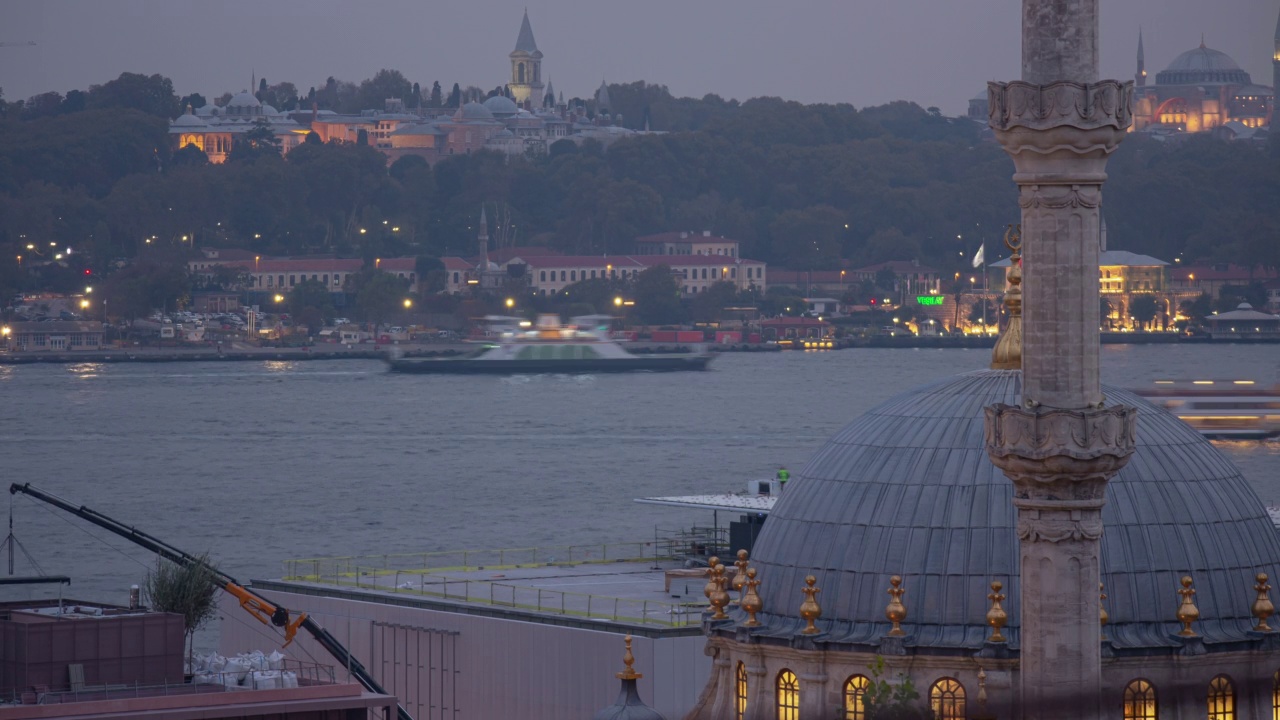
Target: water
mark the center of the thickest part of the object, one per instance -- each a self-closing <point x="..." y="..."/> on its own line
<point x="260" y="462"/>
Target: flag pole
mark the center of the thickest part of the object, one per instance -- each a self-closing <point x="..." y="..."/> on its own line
<point x="984" y="288"/>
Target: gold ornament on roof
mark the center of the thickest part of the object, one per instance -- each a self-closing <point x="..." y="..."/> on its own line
<point x="1103" y="617"/>
<point x="809" y="609"/>
<point x="982" y="691"/>
<point x="720" y="596"/>
<point x="1187" y="611"/>
<point x="628" y="659"/>
<point x="740" y="578"/>
<point x="1007" y="354"/>
<point x="996" y="616"/>
<point x="896" y="611"/>
<point x="710" y="587"/>
<point x="751" y="601"/>
<point x="1262" y="607"/>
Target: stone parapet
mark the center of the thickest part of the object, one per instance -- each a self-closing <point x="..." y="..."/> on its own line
<point x="1057" y="457"/>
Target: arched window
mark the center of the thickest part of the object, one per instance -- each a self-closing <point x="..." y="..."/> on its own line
<point x="855" y="689"/>
<point x="520" y="73"/>
<point x="1275" y="695"/>
<point x="788" y="696"/>
<point x="740" y="692"/>
<point x="946" y="699"/>
<point x="1140" y="701"/>
<point x="543" y="276"/>
<point x="1222" y="699"/>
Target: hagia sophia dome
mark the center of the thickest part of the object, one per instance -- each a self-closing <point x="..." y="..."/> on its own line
<point x="1203" y="66"/>
<point x="908" y="490"/>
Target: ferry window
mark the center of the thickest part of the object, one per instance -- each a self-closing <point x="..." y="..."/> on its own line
<point x="1140" y="701"/>
<point x="946" y="699"/>
<point x="788" y="696"/>
<point x="855" y="690"/>
<point x="740" y="692"/>
<point x="1222" y="699"/>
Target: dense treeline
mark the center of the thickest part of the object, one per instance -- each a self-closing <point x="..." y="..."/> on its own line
<point x="800" y="186"/>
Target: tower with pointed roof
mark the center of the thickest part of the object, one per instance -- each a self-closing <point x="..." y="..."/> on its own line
<point x="526" y="68"/>
<point x="604" y="106"/>
<point x="1141" y="77"/>
<point x="1275" y="73"/>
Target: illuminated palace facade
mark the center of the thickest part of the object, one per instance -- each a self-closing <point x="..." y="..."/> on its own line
<point x="1203" y="89"/>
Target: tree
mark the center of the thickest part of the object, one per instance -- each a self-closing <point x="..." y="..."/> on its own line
<point x="151" y="94"/>
<point x="1144" y="309"/>
<point x="892" y="701"/>
<point x="432" y="276"/>
<point x="384" y="85"/>
<point x="146" y="285"/>
<point x="193" y="101"/>
<point x="311" y="304"/>
<point x="282" y="96"/>
<point x="437" y="99"/>
<point x="260" y="141"/>
<point x="709" y="306"/>
<point x="187" y="590"/>
<point x="1104" y="312"/>
<point x="378" y="294"/>
<point x="657" y="296"/>
<point x="188" y="155"/>
<point x="455" y="97"/>
<point x="808" y="239"/>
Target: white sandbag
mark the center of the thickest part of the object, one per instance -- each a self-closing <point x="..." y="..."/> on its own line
<point x="275" y="661"/>
<point x="237" y="668"/>
<point x="266" y="680"/>
<point x="204" y="679"/>
<point x="215" y="663"/>
<point x="289" y="679"/>
<point x="256" y="659"/>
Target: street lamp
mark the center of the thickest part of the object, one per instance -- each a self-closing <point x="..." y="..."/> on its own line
<point x="617" y="302"/>
<point x="84" y="304"/>
<point x="408" y="303"/>
<point x="511" y="302"/>
<point x="279" y="298"/>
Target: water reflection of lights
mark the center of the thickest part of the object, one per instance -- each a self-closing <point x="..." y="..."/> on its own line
<point x="277" y="366"/>
<point x="85" y="371"/>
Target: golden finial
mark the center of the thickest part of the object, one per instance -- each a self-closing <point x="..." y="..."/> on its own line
<point x="710" y="587"/>
<point x="1103" y="617"/>
<point x="628" y="659"/>
<point x="719" y="596"/>
<point x="740" y="578"/>
<point x="896" y="611"/>
<point x="982" y="691"/>
<point x="1007" y="354"/>
<point x="809" y="609"/>
<point x="751" y="601"/>
<point x="1187" y="611"/>
<point x="1262" y="607"/>
<point x="996" y="616"/>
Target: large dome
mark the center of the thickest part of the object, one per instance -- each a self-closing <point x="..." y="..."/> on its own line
<point x="501" y="106"/>
<point x="473" y="111"/>
<point x="1203" y="66"/>
<point x="907" y="489"/>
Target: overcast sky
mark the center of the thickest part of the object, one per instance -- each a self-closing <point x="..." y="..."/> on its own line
<point x="865" y="52"/>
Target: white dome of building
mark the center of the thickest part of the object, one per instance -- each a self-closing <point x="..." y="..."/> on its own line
<point x="501" y="106"/>
<point x="473" y="111"/>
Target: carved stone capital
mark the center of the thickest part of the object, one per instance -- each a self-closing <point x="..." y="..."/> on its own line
<point x="1077" y="528"/>
<point x="1055" y="456"/>
<point x="1108" y="103"/>
<point x="1062" y="118"/>
<point x="1057" y="197"/>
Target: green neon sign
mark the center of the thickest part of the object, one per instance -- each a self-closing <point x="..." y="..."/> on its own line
<point x="929" y="299"/>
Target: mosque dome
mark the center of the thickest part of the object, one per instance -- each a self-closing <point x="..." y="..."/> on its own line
<point x="188" y="121"/>
<point x="243" y="99"/>
<point x="501" y="106"/>
<point x="1203" y="66"/>
<point x="474" y="111"/>
<point x="269" y="110"/>
<point x="907" y="489"/>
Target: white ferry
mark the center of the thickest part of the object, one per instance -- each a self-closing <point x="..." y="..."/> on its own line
<point x="1225" y="409"/>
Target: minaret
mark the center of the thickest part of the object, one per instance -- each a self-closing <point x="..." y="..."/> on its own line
<point x="1141" y="77"/>
<point x="526" y="67"/>
<point x="1063" y="442"/>
<point x="482" y="241"/>
<point x="1275" y="75"/>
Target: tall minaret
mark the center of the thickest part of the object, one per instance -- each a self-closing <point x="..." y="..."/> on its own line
<point x="1275" y="75"/>
<point x="1064" y="441"/>
<point x="1141" y="77"/>
<point x="482" y="241"/>
<point x="526" y="68"/>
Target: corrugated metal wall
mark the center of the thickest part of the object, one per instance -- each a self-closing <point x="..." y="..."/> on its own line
<point x="504" y="668"/>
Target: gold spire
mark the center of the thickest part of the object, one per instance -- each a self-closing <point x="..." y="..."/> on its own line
<point x="996" y="616"/>
<point x="719" y="596"/>
<point x="809" y="609"/>
<point x="1103" y="617"/>
<point x="710" y="587"/>
<point x="1187" y="611"/>
<point x="740" y="578"/>
<point x="982" y="690"/>
<point x="751" y="601"/>
<point x="628" y="659"/>
<point x="1007" y="354"/>
<point x="896" y="611"/>
<point x="1262" y="607"/>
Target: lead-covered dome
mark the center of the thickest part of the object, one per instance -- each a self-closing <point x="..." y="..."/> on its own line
<point x="1203" y="66"/>
<point x="501" y="106"/>
<point x="473" y="111"/>
<point x="907" y="489"/>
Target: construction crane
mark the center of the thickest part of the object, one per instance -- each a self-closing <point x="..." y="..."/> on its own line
<point x="261" y="608"/>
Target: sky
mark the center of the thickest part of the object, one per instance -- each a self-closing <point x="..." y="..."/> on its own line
<point x="864" y="52"/>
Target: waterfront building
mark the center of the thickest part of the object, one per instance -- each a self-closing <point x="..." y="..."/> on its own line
<point x="54" y="335"/>
<point x="1124" y="276"/>
<point x="1190" y="281"/>
<point x="910" y="280"/>
<point x="1243" y="323"/>
<point x="551" y="274"/>
<point x="215" y="130"/>
<point x="686" y="243"/>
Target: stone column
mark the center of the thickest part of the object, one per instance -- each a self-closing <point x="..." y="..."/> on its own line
<point x="1060" y="123"/>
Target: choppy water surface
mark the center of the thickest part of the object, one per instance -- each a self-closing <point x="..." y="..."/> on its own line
<point x="260" y="462"/>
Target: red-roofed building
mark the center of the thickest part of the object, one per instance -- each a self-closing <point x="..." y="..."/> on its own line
<point x="551" y="274"/>
<point x="1192" y="280"/>
<point x="910" y="279"/>
<point x="794" y="327"/>
<point x="686" y="243"/>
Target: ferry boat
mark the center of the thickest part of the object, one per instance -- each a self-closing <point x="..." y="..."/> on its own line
<point x="519" y="347"/>
<point x="1221" y="409"/>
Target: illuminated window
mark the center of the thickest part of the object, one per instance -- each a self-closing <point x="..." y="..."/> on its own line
<point x="788" y="697"/>
<point x="855" y="688"/>
<point x="1222" y="699"/>
<point x="946" y="699"/>
<point x="740" y="692"/>
<point x="1139" y="701"/>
